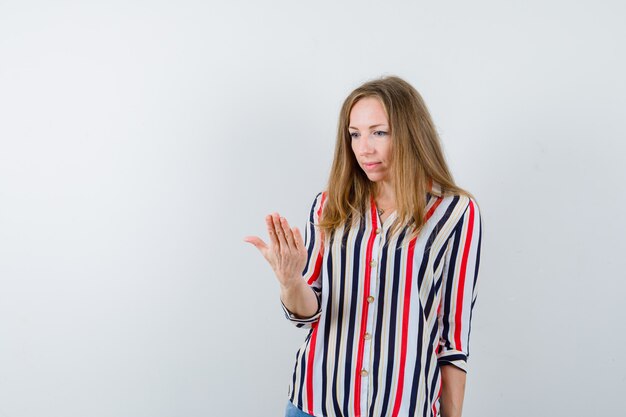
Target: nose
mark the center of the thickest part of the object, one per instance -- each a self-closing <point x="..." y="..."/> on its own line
<point x="364" y="146"/>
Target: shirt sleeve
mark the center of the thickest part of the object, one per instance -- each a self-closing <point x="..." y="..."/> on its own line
<point x="314" y="244"/>
<point x="460" y="275"/>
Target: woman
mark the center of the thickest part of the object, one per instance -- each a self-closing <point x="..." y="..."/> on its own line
<point x="385" y="278"/>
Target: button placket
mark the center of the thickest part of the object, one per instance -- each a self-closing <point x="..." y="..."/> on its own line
<point x="367" y="337"/>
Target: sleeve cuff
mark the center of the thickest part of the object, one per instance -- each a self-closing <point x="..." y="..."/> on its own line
<point x="303" y="322"/>
<point x="453" y="357"/>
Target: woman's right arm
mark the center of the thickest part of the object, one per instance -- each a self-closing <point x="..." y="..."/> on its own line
<point x="296" y="263"/>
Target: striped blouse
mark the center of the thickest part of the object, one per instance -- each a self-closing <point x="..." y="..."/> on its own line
<point x="390" y="312"/>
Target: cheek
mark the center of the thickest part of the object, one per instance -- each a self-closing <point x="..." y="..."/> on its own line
<point x="388" y="152"/>
<point x="352" y="146"/>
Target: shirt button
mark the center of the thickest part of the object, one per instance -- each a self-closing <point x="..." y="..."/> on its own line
<point x="378" y="230"/>
<point x="367" y="336"/>
<point x="363" y="372"/>
<point x="370" y="299"/>
<point x="373" y="263"/>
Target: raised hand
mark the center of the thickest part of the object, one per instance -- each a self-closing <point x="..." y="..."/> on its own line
<point x="286" y="253"/>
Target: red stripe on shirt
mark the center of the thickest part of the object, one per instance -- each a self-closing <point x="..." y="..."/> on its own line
<point x="311" y="355"/>
<point x="430" y="212"/>
<point x="318" y="260"/>
<point x="405" y="325"/>
<point x="316" y="271"/>
<point x="406" y="311"/>
<point x="319" y="210"/>
<point x="459" y="304"/>
<point x="366" y="293"/>
<point x="309" y="369"/>
<point x="437" y="398"/>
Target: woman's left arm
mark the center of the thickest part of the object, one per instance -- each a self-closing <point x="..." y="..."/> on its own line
<point x="457" y="301"/>
<point x="452" y="391"/>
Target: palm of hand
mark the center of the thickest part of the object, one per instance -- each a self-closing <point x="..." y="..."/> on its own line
<point x="286" y="253"/>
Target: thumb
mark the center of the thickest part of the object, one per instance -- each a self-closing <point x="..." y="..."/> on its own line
<point x="257" y="242"/>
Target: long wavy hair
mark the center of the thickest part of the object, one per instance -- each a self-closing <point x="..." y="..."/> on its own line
<point x="417" y="158"/>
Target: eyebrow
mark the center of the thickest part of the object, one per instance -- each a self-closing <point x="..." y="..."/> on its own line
<point x="371" y="127"/>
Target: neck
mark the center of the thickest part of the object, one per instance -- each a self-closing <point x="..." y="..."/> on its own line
<point x="384" y="191"/>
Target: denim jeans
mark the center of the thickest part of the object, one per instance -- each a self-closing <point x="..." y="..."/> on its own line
<point x="293" y="411"/>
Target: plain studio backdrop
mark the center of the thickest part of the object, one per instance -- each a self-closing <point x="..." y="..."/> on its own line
<point x="142" y="140"/>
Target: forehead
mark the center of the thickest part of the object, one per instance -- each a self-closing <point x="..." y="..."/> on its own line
<point x="368" y="111"/>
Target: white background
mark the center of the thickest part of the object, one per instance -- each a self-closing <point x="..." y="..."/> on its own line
<point x="140" y="141"/>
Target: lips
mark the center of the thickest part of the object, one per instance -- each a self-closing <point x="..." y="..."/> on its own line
<point x="370" y="165"/>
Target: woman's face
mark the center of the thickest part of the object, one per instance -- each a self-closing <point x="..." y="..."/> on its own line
<point x="371" y="141"/>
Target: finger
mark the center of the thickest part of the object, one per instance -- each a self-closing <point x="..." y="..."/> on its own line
<point x="288" y="233"/>
<point x="258" y="243"/>
<point x="297" y="237"/>
<point x="280" y="234"/>
<point x="271" y="230"/>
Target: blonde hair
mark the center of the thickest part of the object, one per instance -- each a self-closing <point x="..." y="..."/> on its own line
<point x="417" y="159"/>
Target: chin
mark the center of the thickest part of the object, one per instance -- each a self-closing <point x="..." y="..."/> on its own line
<point x="375" y="178"/>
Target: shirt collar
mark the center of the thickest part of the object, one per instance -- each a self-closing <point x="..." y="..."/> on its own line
<point x="435" y="188"/>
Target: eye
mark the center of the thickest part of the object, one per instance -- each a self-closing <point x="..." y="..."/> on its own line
<point x="354" y="135"/>
<point x="380" y="133"/>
